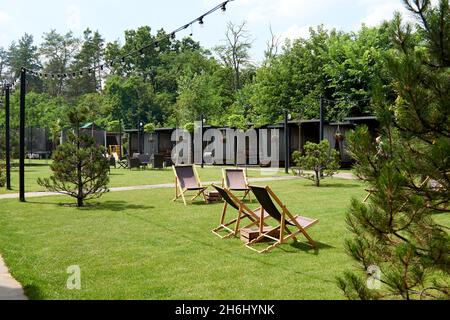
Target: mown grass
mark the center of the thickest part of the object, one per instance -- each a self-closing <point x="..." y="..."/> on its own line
<point x="140" y="245"/>
<point x="119" y="177"/>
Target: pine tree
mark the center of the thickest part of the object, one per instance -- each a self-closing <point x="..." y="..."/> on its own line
<point x="79" y="166"/>
<point x="25" y="54"/>
<point x="319" y="158"/>
<point x="400" y="237"/>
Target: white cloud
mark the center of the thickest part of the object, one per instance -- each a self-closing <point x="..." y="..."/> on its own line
<point x="378" y="11"/>
<point x="4" y="18"/>
<point x="73" y="18"/>
<point x="295" y="32"/>
<point x="267" y="10"/>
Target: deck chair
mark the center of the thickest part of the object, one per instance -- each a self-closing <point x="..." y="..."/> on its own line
<point x="230" y="200"/>
<point x="236" y="180"/>
<point x="286" y="220"/>
<point x="186" y="179"/>
<point x="426" y="182"/>
<point x="122" y="164"/>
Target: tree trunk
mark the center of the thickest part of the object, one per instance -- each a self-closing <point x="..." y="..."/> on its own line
<point x="80" y="201"/>
<point x="317" y="178"/>
<point x="79" y="168"/>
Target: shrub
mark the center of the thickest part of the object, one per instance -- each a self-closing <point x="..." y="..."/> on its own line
<point x="318" y="158"/>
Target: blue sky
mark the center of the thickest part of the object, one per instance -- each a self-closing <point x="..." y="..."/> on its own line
<point x="288" y="18"/>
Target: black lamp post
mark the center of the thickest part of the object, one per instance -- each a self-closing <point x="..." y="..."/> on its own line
<point x="322" y="119"/>
<point x="23" y="86"/>
<point x="140" y="126"/>
<point x="202" y="121"/>
<point x="7" y="136"/>
<point x="120" y="139"/>
<point x="287" y="117"/>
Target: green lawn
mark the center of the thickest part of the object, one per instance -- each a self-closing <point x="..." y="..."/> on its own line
<point x="140" y="245"/>
<point x="119" y="177"/>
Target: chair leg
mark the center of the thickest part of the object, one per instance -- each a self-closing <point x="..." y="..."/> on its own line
<point x="184" y="199"/>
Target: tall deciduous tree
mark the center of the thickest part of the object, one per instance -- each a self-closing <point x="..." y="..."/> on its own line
<point x="235" y="51"/>
<point x="399" y="233"/>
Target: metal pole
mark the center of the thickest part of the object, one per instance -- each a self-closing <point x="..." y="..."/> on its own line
<point x="139" y="137"/>
<point x="7" y="137"/>
<point x="322" y="119"/>
<point x="23" y="78"/>
<point x="120" y="139"/>
<point x="201" y="142"/>
<point x="286" y="143"/>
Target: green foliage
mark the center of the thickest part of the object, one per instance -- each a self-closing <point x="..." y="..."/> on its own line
<point x="114" y="126"/>
<point x="318" y="158"/>
<point x="58" y="51"/>
<point x="149" y="128"/>
<point x="132" y="100"/>
<point x="344" y="67"/>
<point x="407" y="169"/>
<point x="237" y="121"/>
<point x="2" y="174"/>
<point x="198" y="95"/>
<point x="189" y="127"/>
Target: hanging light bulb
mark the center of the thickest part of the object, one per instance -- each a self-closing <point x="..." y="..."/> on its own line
<point x="141" y="52"/>
<point x="173" y="36"/>
<point x="157" y="48"/>
<point x="224" y="8"/>
<point x="201" y="22"/>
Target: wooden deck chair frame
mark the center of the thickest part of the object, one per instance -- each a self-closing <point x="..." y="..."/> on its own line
<point x="243" y="212"/>
<point x="287" y="218"/>
<point x="247" y="193"/>
<point x="370" y="192"/>
<point x="181" y="193"/>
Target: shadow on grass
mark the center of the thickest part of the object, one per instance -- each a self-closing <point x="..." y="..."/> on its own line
<point x="33" y="292"/>
<point x="36" y="164"/>
<point x="113" y="206"/>
<point x="304" y="246"/>
<point x="338" y="185"/>
<point x="295" y="247"/>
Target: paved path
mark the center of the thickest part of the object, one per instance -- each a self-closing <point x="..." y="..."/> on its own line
<point x="147" y="187"/>
<point x="342" y="175"/>
<point x="10" y="289"/>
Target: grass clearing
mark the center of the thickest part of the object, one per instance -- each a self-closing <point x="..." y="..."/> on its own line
<point x="140" y="245"/>
<point x="119" y="177"/>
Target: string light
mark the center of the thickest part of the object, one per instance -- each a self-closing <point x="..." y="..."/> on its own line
<point x="140" y="51"/>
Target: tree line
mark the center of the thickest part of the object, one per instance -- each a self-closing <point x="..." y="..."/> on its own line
<point x="176" y="82"/>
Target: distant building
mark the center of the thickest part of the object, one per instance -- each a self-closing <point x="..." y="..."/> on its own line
<point x="300" y="132"/>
